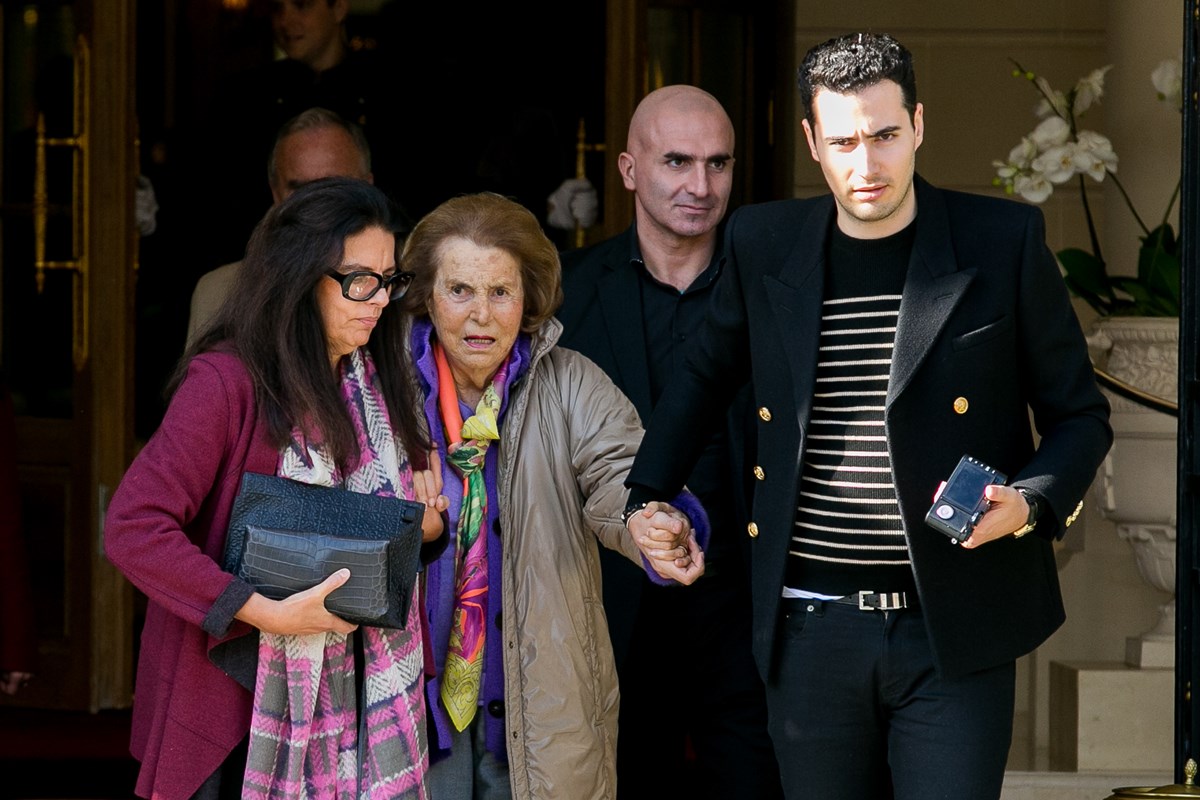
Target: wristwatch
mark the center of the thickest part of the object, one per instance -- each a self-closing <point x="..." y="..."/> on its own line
<point x="1035" y="508"/>
<point x="632" y="509"/>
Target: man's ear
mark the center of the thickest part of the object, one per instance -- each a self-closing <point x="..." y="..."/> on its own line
<point x="919" y="125"/>
<point x="625" y="166"/>
<point x="812" y="142"/>
<point x="340" y="9"/>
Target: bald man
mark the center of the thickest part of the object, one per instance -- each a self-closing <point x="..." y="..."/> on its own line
<point x="693" y="714"/>
<point x="317" y="143"/>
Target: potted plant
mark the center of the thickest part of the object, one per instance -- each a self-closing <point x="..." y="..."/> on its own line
<point x="1059" y="151"/>
<point x="1136" y="337"/>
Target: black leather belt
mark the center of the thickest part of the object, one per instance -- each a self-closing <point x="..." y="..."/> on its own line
<point x="867" y="601"/>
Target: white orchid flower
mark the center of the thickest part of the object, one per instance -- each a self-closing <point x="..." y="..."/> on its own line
<point x="1053" y="102"/>
<point x="1087" y="163"/>
<point x="1023" y="154"/>
<point x="1050" y="132"/>
<point x="1094" y="155"/>
<point x="1033" y="187"/>
<point x="1168" y="81"/>
<point x="1057" y="164"/>
<point x="1090" y="89"/>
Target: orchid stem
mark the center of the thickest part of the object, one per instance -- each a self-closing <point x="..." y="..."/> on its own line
<point x="1128" y="201"/>
<point x="1087" y="213"/>
<point x="1171" y="202"/>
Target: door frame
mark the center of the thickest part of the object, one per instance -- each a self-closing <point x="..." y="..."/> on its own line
<point x="107" y="378"/>
<point x="85" y="656"/>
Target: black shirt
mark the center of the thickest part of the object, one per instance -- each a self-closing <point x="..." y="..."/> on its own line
<point x="671" y="320"/>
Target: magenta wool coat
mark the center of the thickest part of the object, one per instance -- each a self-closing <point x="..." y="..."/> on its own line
<point x="165" y="530"/>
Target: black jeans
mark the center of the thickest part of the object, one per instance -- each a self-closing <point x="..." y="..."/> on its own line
<point x="858" y="712"/>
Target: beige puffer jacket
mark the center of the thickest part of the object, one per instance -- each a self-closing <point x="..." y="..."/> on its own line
<point x="567" y="443"/>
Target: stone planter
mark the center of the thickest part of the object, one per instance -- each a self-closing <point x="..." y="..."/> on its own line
<point x="1136" y="485"/>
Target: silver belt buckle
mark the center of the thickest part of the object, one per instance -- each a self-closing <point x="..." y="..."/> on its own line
<point x="892" y="601"/>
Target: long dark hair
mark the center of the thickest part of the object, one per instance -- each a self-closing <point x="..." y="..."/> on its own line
<point x="272" y="322"/>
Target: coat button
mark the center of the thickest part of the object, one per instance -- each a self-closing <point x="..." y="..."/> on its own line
<point x="752" y="529"/>
<point x="758" y="473"/>
<point x="764" y="414"/>
<point x="496" y="708"/>
<point x="961" y="405"/>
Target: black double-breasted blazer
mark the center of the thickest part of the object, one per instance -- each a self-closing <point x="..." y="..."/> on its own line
<point x="986" y="343"/>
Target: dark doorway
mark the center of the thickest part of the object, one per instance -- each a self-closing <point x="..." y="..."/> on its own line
<point x="459" y="97"/>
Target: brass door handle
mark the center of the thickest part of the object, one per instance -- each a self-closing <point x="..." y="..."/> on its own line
<point x="581" y="149"/>
<point x="80" y="216"/>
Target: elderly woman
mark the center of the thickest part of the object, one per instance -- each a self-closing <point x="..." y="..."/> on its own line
<point x="284" y="383"/>
<point x="537" y="443"/>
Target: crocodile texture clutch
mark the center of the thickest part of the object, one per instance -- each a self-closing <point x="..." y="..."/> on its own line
<point x="286" y="536"/>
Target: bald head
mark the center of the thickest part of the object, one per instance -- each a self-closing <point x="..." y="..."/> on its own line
<point x="679" y="163"/>
<point x="677" y="100"/>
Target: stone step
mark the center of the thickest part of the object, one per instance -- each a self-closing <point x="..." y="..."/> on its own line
<point x="1075" y="785"/>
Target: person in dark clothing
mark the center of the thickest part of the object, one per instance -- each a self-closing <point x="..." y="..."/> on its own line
<point x="632" y="304"/>
<point x="889" y="328"/>
<point x="319" y="70"/>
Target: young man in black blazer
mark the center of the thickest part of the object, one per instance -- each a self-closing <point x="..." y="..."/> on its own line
<point x="632" y="304"/>
<point x="889" y="329"/>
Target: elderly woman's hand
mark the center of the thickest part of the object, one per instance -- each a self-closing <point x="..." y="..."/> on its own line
<point x="688" y="569"/>
<point x="427" y="489"/>
<point x="684" y="568"/>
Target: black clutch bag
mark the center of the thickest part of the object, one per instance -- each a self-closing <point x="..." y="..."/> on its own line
<point x="286" y="536"/>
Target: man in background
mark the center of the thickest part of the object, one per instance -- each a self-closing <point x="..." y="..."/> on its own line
<point x="632" y="304"/>
<point x="318" y="143"/>
<point x="318" y="69"/>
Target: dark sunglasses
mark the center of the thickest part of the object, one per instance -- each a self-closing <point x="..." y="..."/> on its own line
<point x="362" y="286"/>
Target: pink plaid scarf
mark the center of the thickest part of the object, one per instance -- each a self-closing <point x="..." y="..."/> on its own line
<point x="308" y="721"/>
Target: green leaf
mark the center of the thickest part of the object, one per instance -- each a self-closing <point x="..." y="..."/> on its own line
<point x="1159" y="271"/>
<point x="1087" y="279"/>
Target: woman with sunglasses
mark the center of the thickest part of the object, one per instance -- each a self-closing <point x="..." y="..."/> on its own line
<point x="238" y="695"/>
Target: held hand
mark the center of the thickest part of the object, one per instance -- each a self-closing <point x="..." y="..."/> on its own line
<point x="665" y="536"/>
<point x="660" y="531"/>
<point x="302" y="613"/>
<point x="427" y="489"/>
<point x="1008" y="513"/>
<point x="686" y="568"/>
